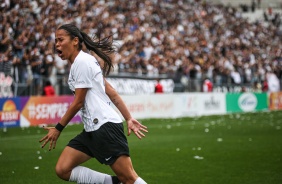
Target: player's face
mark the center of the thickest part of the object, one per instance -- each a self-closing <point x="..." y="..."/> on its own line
<point x="65" y="46"/>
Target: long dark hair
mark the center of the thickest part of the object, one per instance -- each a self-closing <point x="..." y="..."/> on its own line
<point x="103" y="47"/>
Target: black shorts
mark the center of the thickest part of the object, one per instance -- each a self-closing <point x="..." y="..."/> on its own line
<point x="105" y="144"/>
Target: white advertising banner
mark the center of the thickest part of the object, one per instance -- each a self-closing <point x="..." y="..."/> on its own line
<point x="151" y="106"/>
<point x="139" y="86"/>
<point x="5" y="86"/>
<point x="212" y="103"/>
<point x="187" y="104"/>
<point x="175" y="105"/>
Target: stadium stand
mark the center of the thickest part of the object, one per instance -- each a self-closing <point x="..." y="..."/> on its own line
<point x="183" y="40"/>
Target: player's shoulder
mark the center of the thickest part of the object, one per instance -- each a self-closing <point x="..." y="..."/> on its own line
<point x="85" y="55"/>
<point x="85" y="58"/>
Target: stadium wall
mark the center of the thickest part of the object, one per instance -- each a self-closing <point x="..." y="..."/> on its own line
<point x="39" y="111"/>
<point x="237" y="3"/>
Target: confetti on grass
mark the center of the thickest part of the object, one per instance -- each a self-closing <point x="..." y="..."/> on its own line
<point x="198" y="157"/>
<point x="219" y="139"/>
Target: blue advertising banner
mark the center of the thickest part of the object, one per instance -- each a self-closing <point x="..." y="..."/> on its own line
<point x="9" y="112"/>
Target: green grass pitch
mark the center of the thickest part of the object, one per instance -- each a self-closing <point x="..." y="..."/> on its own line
<point x="232" y="148"/>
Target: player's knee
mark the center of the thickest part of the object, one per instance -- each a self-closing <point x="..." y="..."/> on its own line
<point x="127" y="179"/>
<point x="62" y="172"/>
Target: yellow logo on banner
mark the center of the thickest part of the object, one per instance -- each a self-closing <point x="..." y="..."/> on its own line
<point x="9" y="111"/>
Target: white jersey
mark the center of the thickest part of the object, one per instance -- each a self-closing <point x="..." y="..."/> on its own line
<point x="85" y="72"/>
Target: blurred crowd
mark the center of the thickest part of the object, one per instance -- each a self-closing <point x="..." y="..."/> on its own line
<point x="187" y="40"/>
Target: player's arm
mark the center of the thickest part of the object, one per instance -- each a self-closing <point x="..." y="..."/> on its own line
<point x="53" y="133"/>
<point x="132" y="124"/>
<point x="117" y="100"/>
<point x="75" y="106"/>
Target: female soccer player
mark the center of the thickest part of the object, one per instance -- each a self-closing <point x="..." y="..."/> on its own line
<point x="103" y="135"/>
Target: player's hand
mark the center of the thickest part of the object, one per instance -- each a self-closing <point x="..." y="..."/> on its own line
<point x="136" y="127"/>
<point x="52" y="137"/>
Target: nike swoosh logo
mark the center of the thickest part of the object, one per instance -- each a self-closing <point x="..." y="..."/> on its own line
<point x="107" y="159"/>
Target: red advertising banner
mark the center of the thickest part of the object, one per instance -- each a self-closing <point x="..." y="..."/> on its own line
<point x="275" y="101"/>
<point x="45" y="110"/>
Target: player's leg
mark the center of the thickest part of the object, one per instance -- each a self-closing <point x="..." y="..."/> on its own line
<point x="124" y="170"/>
<point x="68" y="168"/>
<point x="69" y="159"/>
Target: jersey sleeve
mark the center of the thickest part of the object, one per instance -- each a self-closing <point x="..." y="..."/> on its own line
<point x="84" y="76"/>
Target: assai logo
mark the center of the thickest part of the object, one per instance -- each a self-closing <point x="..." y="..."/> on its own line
<point x="247" y="102"/>
<point x="9" y="111"/>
